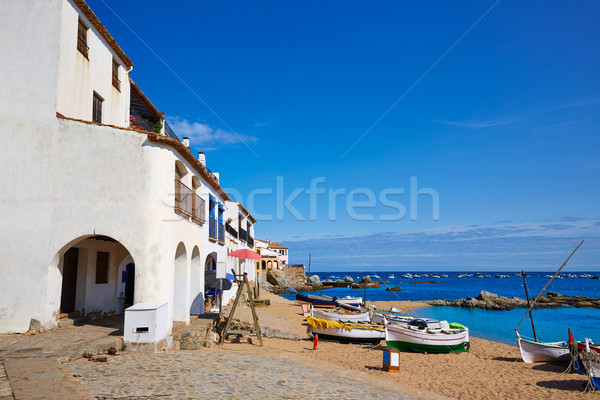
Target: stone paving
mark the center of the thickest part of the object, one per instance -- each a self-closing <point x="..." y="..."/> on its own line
<point x="219" y="374"/>
<point x="5" y="390"/>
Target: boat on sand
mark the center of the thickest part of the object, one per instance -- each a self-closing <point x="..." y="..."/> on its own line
<point x="452" y="338"/>
<point x="346" y="332"/>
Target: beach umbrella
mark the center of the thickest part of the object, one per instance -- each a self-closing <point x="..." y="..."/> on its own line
<point x="245" y="253"/>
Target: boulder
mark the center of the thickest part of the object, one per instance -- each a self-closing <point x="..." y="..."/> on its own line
<point x="367" y="279"/>
<point x="348" y="279"/>
<point x="314" y="279"/>
<point x="393" y="289"/>
<point x="277" y="277"/>
<point x="487" y="296"/>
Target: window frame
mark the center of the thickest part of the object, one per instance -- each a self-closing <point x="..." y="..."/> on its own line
<point x="116" y="82"/>
<point x="94" y="109"/>
<point x="82" y="33"/>
<point x="102" y="271"/>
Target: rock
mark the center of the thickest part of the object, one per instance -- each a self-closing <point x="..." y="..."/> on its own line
<point x="362" y="285"/>
<point x="277" y="277"/>
<point x="386" y="282"/>
<point x="393" y="289"/>
<point x="348" y="279"/>
<point x="423" y="283"/>
<point x="367" y="279"/>
<point x="35" y="325"/>
<point x="314" y="279"/>
<point x="487" y="296"/>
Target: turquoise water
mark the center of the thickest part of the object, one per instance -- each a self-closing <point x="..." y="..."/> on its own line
<point x="551" y="324"/>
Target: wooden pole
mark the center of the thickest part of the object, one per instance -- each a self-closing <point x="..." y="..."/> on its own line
<point x="254" y="316"/>
<point x="547" y="284"/>
<point x="529" y="305"/>
<point x="308" y="275"/>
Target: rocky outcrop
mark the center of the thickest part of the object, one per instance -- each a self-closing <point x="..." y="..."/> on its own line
<point x="362" y="285"/>
<point x="491" y="301"/>
<point x="393" y="289"/>
<point x="279" y="281"/>
<point x="424" y="283"/>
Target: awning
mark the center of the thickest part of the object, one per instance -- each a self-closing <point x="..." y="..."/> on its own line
<point x="245" y="253"/>
<point x="269" y="253"/>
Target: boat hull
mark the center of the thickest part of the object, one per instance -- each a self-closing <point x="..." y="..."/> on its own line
<point x="423" y="341"/>
<point x="533" y="352"/>
<point x="354" y="335"/>
<point x="333" y="316"/>
<point x="315" y="301"/>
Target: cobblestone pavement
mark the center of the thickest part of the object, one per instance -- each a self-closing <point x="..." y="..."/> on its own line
<point x="5" y="390"/>
<point x="219" y="374"/>
<point x="63" y="342"/>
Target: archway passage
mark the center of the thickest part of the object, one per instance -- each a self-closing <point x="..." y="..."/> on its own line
<point x="181" y="285"/>
<point x="95" y="280"/>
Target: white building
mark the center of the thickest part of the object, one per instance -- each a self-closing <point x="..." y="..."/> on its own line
<point x="95" y="215"/>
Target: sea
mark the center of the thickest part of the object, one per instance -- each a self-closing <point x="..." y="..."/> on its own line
<point x="499" y="326"/>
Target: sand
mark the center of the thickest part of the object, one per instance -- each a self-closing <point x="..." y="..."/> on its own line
<point x="489" y="370"/>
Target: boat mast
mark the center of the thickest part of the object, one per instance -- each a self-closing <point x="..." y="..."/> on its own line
<point x="529" y="305"/>
<point x="547" y="284"/>
<point x="308" y="275"/>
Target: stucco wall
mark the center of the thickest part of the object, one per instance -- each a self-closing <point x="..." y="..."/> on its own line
<point x="79" y="77"/>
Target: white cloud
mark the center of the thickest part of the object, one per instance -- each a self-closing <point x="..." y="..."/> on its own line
<point x="206" y="135"/>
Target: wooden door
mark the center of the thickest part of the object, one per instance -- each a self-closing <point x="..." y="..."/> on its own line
<point x="69" y="281"/>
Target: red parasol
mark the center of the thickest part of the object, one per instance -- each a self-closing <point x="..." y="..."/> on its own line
<point x="245" y="253"/>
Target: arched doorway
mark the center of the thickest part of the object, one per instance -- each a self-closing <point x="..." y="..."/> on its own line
<point x="180" y="285"/>
<point x="196" y="284"/>
<point x="93" y="284"/>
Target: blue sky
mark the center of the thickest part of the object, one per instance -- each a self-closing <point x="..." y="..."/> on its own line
<point x="502" y="122"/>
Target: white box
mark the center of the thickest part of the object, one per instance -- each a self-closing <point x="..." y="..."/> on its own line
<point x="145" y="323"/>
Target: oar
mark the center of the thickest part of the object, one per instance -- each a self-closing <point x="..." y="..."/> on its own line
<point x="547" y="284"/>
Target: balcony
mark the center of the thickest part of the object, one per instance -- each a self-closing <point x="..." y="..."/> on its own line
<point x="183" y="199"/>
<point x="212" y="229"/>
<point x="221" y="233"/>
<point x="231" y="231"/>
<point x="243" y="235"/>
<point x="250" y="241"/>
<point x="198" y="209"/>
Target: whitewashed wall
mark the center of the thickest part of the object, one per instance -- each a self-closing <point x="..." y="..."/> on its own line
<point x="79" y="77"/>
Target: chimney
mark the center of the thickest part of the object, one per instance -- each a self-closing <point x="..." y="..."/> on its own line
<point x="202" y="158"/>
<point x="186" y="142"/>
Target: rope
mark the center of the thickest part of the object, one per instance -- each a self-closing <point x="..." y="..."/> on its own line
<point x="591" y="361"/>
<point x="574" y="363"/>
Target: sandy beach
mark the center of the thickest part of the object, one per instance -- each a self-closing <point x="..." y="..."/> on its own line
<point x="489" y="370"/>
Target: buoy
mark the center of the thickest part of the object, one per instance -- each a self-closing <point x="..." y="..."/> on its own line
<point x="316" y="342"/>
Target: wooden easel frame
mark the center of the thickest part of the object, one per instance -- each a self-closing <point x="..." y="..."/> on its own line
<point x="243" y="283"/>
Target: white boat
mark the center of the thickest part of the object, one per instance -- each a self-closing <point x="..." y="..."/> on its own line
<point x="343" y="300"/>
<point x="428" y="340"/>
<point x="391" y="276"/>
<point x="341" y="315"/>
<point x="532" y="351"/>
<point x="327" y="329"/>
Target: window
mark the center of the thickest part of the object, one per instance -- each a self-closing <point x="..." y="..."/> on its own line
<point x="82" y="38"/>
<point x="102" y="258"/>
<point x="97" y="108"/>
<point x="115" y="75"/>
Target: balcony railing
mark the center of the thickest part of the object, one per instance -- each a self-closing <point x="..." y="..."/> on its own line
<point x="198" y="208"/>
<point x="243" y="235"/>
<point x="183" y="198"/>
<point x="231" y="231"/>
<point x="170" y="133"/>
<point x="221" y="233"/>
<point x="212" y="228"/>
<point x="250" y="241"/>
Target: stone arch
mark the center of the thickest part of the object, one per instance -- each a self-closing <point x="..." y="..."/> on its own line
<point x="180" y="285"/>
<point x="196" y="283"/>
<point x="91" y="280"/>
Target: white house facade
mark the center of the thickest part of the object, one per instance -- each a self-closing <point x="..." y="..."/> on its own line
<point x="95" y="215"/>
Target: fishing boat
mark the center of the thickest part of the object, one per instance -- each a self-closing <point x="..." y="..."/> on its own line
<point x="316" y="301"/>
<point x="585" y="358"/>
<point x="452" y="338"/>
<point x="349" y="300"/>
<point x="346" y="332"/>
<point x="342" y="315"/>
<point x="535" y="351"/>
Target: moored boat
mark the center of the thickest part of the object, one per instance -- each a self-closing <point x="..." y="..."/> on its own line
<point x="316" y="301"/>
<point x="453" y="339"/>
<point x="346" y="332"/>
<point x="535" y="351"/>
<point x="342" y="315"/>
<point x="349" y="300"/>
